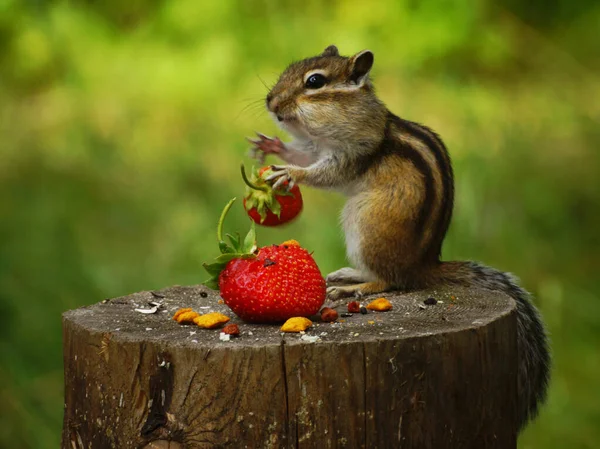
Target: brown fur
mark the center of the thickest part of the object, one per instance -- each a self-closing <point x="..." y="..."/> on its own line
<point x="406" y="190"/>
<point x="399" y="181"/>
<point x="398" y="187"/>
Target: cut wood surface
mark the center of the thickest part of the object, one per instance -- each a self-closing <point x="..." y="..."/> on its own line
<point x="419" y="376"/>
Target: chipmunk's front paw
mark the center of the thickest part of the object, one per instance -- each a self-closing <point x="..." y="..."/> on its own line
<point x="265" y="145"/>
<point x="282" y="176"/>
<point x="336" y="293"/>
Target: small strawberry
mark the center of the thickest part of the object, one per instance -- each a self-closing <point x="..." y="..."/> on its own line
<point x="269" y="284"/>
<point x="269" y="207"/>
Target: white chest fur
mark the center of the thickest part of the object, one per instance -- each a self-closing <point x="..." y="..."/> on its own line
<point x="351" y="223"/>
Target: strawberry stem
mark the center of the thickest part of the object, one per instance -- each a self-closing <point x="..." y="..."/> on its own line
<point x="249" y="183"/>
<point x="222" y="219"/>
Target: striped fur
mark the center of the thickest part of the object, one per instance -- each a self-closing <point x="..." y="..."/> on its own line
<point x="398" y="178"/>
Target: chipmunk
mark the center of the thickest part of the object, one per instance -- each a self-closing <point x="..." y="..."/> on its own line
<point x="398" y="179"/>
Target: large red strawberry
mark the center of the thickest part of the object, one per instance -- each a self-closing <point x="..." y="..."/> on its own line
<point x="269" y="207"/>
<point x="268" y="284"/>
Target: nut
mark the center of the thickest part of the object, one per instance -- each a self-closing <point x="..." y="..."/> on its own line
<point x="296" y="324"/>
<point x="328" y="315"/>
<point x="231" y="329"/>
<point x="211" y="320"/>
<point x="354" y="307"/>
<point x="180" y="311"/>
<point x="380" y="305"/>
<point x="185" y="316"/>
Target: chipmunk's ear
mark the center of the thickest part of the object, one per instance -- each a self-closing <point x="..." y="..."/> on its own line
<point x="330" y="51"/>
<point x="360" y="66"/>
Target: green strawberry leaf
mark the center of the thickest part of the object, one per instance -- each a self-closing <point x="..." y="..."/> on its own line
<point x="268" y="202"/>
<point x="224" y="258"/>
<point x="263" y="214"/>
<point x="276" y="208"/>
<point x="261" y="196"/>
<point x="236" y="250"/>
<point x="251" y="202"/>
<point x="214" y="269"/>
<point x="225" y="248"/>
<point x="250" y="240"/>
<point x="284" y="192"/>
<point x="235" y="241"/>
<point x="212" y="283"/>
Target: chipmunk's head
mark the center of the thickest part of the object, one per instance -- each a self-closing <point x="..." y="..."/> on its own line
<point x="327" y="96"/>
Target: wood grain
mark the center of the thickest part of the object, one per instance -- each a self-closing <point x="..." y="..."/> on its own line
<point x="439" y="376"/>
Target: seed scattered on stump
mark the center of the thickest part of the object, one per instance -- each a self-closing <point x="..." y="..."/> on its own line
<point x="354" y="307"/>
<point x="345" y="315"/>
<point x="380" y="305"/>
<point x="231" y="329"/>
<point x="211" y="320"/>
<point x="180" y="311"/>
<point x="296" y="324"/>
<point x="328" y="315"/>
<point x="185" y="316"/>
<point x="363" y="310"/>
<point x="431" y="301"/>
<point x="203" y="294"/>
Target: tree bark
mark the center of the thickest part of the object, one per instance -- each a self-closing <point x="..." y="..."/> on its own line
<point x="419" y="376"/>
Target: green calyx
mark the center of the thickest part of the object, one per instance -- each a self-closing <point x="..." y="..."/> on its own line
<point x="261" y="195"/>
<point x="235" y="249"/>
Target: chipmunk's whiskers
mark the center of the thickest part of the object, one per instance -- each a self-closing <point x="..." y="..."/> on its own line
<point x="255" y="105"/>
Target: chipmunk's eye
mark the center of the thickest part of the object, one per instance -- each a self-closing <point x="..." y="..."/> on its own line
<point x="315" y="81"/>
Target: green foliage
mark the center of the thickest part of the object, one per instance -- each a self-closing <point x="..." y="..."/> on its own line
<point x="123" y="126"/>
<point x="237" y="249"/>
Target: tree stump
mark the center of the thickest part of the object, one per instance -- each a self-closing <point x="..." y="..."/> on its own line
<point x="419" y="376"/>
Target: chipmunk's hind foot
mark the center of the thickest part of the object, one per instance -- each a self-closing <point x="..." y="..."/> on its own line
<point x="347" y="275"/>
<point x="357" y="290"/>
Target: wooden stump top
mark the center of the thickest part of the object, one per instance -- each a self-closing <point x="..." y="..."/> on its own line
<point x="457" y="309"/>
<point x="418" y="377"/>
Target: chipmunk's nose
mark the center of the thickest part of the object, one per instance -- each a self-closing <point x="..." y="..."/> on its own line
<point x="275" y="109"/>
<point x="275" y="105"/>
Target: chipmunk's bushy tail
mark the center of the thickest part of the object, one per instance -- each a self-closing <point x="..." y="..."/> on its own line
<point x="532" y="341"/>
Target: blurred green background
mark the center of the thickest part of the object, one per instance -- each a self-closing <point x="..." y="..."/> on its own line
<point x="122" y="125"/>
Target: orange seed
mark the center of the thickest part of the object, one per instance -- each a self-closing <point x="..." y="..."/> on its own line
<point x="180" y="311"/>
<point x="380" y="305"/>
<point x="211" y="320"/>
<point x="185" y="316"/>
<point x="296" y="324"/>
